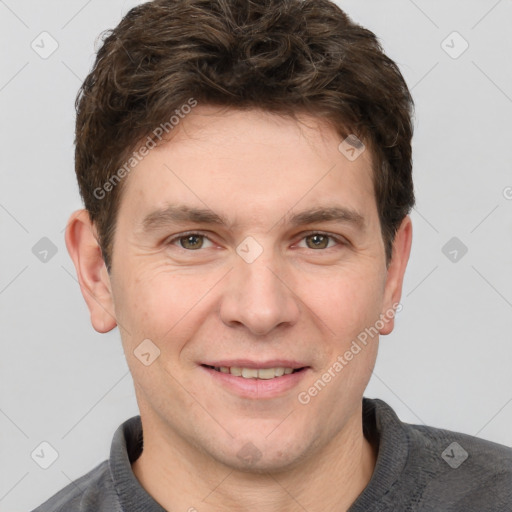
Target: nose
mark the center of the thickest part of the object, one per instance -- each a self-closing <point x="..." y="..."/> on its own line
<point x="259" y="297"/>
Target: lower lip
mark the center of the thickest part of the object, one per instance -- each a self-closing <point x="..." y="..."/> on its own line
<point x="257" y="388"/>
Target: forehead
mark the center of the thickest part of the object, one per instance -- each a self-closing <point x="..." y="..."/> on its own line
<point x="231" y="160"/>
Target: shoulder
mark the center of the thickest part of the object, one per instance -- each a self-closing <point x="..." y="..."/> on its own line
<point x="91" y="492"/>
<point x="426" y="468"/>
<point x="97" y="490"/>
<point x="455" y="449"/>
<point x="461" y="470"/>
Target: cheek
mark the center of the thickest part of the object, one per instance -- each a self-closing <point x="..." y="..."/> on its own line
<point x="158" y="304"/>
<point x="350" y="302"/>
<point x="144" y="305"/>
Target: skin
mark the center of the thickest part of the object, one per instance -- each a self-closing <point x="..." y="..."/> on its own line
<point x="294" y="301"/>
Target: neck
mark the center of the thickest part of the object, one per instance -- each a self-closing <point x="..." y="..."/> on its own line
<point x="330" y="479"/>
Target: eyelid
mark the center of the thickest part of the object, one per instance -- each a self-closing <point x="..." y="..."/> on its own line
<point x="177" y="237"/>
<point x="337" y="238"/>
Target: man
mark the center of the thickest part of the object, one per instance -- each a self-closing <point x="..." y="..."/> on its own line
<point x="246" y="172"/>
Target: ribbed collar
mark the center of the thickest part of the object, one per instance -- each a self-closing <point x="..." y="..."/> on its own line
<point x="379" y="422"/>
<point x="126" y="448"/>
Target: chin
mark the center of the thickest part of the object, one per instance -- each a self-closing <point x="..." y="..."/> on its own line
<point x="260" y="456"/>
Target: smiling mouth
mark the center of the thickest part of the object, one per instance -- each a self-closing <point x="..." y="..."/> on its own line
<point x="255" y="373"/>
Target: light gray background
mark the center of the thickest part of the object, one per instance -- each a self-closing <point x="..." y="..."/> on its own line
<point x="446" y="364"/>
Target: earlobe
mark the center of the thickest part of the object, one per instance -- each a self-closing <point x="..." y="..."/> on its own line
<point x="82" y="245"/>
<point x="395" y="274"/>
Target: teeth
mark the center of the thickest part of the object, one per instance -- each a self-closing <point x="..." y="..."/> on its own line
<point x="249" y="373"/>
<point x="254" y="373"/>
<point x="236" y="371"/>
<point x="266" y="373"/>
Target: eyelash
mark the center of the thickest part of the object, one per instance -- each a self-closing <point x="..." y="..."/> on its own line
<point x="337" y="239"/>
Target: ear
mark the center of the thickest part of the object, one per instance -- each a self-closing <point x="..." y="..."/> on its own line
<point x="81" y="242"/>
<point x="395" y="274"/>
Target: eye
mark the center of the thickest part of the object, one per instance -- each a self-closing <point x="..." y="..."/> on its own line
<point x="194" y="241"/>
<point x="190" y="241"/>
<point x="321" y="241"/>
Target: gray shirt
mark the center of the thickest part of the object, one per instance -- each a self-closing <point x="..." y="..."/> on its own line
<point x="418" y="468"/>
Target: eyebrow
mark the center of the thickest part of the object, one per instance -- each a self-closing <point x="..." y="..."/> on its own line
<point x="181" y="213"/>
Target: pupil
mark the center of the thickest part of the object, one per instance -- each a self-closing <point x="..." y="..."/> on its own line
<point x="318" y="241"/>
<point x="191" y="242"/>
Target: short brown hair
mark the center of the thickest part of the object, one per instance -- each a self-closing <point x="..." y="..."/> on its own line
<point x="281" y="56"/>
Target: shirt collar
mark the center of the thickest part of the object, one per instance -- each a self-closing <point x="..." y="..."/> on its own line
<point x="379" y="423"/>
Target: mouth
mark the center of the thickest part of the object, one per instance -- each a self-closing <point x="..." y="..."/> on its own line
<point x="256" y="373"/>
<point x="253" y="380"/>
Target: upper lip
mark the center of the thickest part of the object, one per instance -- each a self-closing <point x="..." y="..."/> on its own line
<point x="247" y="363"/>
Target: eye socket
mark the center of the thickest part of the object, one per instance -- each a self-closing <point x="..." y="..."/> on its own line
<point x="194" y="241"/>
<point x="320" y="240"/>
<point x="190" y="241"/>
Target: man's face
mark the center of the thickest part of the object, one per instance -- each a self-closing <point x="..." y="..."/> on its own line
<point x="260" y="290"/>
